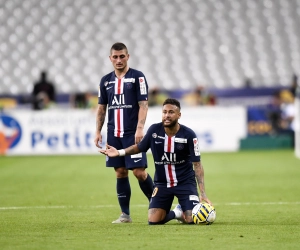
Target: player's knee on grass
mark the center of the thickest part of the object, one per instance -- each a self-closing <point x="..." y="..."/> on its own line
<point x="156" y="223"/>
<point x="156" y="215"/>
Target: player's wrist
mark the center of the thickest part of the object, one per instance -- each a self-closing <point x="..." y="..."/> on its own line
<point x="121" y="152"/>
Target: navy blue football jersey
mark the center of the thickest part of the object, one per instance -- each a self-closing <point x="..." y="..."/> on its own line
<point x="121" y="97"/>
<point x="173" y="156"/>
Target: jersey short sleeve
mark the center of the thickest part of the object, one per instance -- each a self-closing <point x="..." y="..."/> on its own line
<point x="142" y="86"/>
<point x="193" y="146"/>
<point x="102" y="93"/>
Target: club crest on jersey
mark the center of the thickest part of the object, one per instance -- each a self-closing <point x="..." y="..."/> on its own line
<point x="154" y="135"/>
<point x="179" y="146"/>
<point x="128" y="85"/>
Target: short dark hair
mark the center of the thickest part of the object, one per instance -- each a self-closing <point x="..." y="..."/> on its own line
<point x="172" y="102"/>
<point x="118" y="46"/>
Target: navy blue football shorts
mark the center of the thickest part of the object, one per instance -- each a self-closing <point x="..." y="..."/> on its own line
<point x="129" y="161"/>
<point x="187" y="194"/>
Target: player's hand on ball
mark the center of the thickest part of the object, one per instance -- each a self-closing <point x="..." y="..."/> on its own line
<point x="206" y="200"/>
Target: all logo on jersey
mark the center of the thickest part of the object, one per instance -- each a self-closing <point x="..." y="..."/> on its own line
<point x="170" y="157"/>
<point x="118" y="100"/>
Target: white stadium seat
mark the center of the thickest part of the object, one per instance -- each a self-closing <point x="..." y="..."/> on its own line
<point x="177" y="44"/>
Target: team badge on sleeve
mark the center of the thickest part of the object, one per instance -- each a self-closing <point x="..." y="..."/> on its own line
<point x="142" y="83"/>
<point x="196" y="146"/>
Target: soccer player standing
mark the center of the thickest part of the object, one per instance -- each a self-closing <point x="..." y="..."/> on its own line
<point x="124" y="93"/>
<point x="178" y="168"/>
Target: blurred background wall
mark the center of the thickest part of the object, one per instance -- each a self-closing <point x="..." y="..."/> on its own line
<point x="203" y="52"/>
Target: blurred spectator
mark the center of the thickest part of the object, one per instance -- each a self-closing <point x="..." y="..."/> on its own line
<point x="84" y="100"/>
<point x="44" y="102"/>
<point x="199" y="97"/>
<point x="281" y="113"/>
<point x="156" y="97"/>
<point x="294" y="85"/>
<point x="287" y="110"/>
<point x="210" y="99"/>
<point x="248" y="83"/>
<point x="194" y="98"/>
<point x="274" y="112"/>
<point x="40" y="101"/>
<point x="78" y="100"/>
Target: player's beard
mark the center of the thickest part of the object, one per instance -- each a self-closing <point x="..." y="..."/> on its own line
<point x="172" y="124"/>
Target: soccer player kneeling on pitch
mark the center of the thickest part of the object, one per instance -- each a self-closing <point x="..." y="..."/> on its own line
<point x="178" y="168"/>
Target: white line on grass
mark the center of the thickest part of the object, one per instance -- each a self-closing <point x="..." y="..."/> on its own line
<point x="145" y="205"/>
<point x="261" y="203"/>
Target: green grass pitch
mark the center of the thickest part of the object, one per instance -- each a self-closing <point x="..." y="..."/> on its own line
<point x="68" y="202"/>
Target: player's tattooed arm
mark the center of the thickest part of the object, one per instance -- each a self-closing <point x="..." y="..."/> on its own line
<point x="139" y="134"/>
<point x="101" y="112"/>
<point x="144" y="105"/>
<point x="199" y="173"/>
<point x="142" y="114"/>
<point x="132" y="150"/>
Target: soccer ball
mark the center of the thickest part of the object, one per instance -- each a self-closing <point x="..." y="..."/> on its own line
<point x="203" y="213"/>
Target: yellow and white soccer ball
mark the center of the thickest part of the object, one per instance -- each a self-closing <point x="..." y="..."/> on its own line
<point x="204" y="213"/>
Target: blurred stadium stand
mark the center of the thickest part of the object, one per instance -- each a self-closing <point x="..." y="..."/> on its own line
<point x="177" y="44"/>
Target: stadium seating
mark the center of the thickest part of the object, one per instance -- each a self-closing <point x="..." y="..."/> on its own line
<point x="178" y="44"/>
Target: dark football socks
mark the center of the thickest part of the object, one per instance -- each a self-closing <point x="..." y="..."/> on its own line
<point x="147" y="186"/>
<point x="124" y="193"/>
